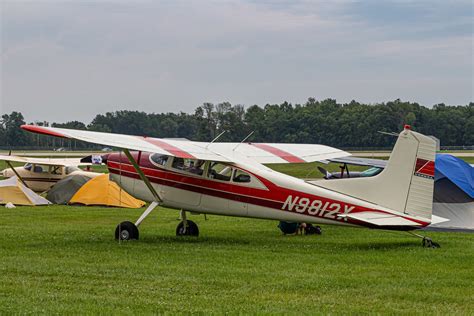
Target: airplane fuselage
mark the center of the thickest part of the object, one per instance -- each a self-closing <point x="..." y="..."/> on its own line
<point x="237" y="190"/>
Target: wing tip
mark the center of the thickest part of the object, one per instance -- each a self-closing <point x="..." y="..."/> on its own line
<point x="41" y="130"/>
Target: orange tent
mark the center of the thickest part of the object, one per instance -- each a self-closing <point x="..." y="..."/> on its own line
<point x="101" y="191"/>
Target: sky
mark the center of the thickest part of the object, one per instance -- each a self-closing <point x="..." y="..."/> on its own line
<point x="70" y="60"/>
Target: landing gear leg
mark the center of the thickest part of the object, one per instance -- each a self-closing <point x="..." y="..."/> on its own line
<point x="186" y="227"/>
<point x="128" y="230"/>
<point x="426" y="241"/>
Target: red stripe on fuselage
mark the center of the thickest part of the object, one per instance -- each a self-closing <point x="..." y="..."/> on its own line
<point x="278" y="152"/>
<point x="175" y="151"/>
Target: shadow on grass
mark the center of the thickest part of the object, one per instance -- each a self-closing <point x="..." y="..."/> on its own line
<point x="266" y="243"/>
<point x="380" y="245"/>
<point x="199" y="240"/>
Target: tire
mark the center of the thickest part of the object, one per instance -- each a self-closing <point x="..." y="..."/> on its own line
<point x="191" y="230"/>
<point x="126" y="231"/>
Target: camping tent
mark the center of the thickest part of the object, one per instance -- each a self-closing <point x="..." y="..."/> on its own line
<point x="453" y="193"/>
<point x="13" y="191"/>
<point x="101" y="191"/>
<point x="65" y="188"/>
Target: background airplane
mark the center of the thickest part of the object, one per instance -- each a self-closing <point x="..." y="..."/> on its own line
<point x="40" y="174"/>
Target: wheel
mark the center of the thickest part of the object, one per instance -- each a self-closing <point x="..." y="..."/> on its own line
<point x="126" y="231"/>
<point x="427" y="242"/>
<point x="191" y="229"/>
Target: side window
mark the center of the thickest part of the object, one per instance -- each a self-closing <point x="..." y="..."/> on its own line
<point x="189" y="165"/>
<point x="57" y="170"/>
<point x="40" y="169"/>
<point x="158" y="159"/>
<point x="220" y="171"/>
<point x="241" y="177"/>
<point x="28" y="166"/>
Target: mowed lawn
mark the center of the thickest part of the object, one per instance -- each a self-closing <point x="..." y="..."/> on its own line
<point x="64" y="260"/>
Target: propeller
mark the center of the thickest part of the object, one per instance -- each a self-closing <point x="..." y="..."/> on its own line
<point x="327" y="174"/>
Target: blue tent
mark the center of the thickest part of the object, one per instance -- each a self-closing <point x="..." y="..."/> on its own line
<point x="453" y="193"/>
<point x="456" y="170"/>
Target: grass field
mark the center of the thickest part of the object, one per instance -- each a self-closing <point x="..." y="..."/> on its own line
<point x="64" y="260"/>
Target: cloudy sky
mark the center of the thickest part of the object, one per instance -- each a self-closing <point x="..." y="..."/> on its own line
<point x="70" y="60"/>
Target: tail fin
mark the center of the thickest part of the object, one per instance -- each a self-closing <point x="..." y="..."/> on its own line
<point x="405" y="185"/>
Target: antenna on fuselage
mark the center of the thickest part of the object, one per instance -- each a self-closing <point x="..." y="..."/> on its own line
<point x="243" y="140"/>
<point x="216" y="138"/>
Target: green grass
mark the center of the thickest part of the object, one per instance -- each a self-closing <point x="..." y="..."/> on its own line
<point x="469" y="160"/>
<point x="63" y="260"/>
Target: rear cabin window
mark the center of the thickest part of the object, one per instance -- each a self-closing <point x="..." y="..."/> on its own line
<point x="193" y="166"/>
<point x="159" y="159"/>
<point x="220" y="171"/>
<point x="241" y="177"/>
<point x="57" y="170"/>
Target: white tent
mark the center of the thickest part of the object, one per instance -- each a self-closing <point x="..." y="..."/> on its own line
<point x="13" y="191"/>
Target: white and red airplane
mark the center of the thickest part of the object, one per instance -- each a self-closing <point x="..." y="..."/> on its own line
<point x="231" y="179"/>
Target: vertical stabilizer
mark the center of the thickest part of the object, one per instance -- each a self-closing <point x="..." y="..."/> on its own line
<point x="405" y="185"/>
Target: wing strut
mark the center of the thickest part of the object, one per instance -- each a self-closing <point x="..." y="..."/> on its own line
<point x="17" y="174"/>
<point x="142" y="176"/>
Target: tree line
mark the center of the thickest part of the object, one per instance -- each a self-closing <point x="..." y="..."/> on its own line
<point x="347" y="125"/>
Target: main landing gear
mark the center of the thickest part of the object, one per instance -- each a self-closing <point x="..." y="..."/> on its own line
<point x="186" y="227"/>
<point x="126" y="231"/>
<point x="129" y="231"/>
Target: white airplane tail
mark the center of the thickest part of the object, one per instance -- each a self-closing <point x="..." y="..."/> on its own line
<point x="405" y="185"/>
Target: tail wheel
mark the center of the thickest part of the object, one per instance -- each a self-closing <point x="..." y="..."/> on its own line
<point x="191" y="229"/>
<point x="126" y="231"/>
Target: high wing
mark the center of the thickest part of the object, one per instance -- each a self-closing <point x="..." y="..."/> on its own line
<point x="169" y="147"/>
<point x="262" y="153"/>
<point x="268" y="153"/>
<point x="359" y="161"/>
<point x="45" y="161"/>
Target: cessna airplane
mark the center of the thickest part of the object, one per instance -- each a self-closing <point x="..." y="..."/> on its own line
<point x="40" y="174"/>
<point x="231" y="179"/>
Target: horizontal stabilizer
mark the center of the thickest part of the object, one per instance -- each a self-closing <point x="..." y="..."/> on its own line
<point x="438" y="219"/>
<point x="380" y="219"/>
